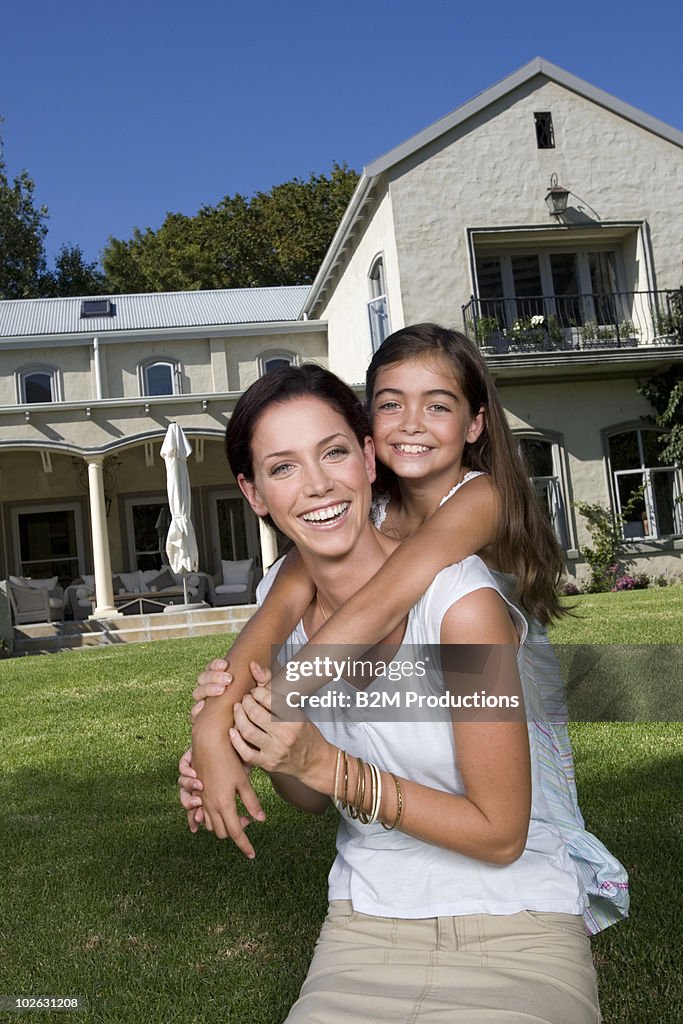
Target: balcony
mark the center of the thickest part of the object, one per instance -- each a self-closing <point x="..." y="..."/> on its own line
<point x="565" y="323"/>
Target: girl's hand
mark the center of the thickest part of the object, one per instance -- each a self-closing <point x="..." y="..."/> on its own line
<point x="190" y="787"/>
<point x="295" y="748"/>
<point x="212" y="681"/>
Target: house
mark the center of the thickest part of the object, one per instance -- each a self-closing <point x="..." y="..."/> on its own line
<point x="543" y="216"/>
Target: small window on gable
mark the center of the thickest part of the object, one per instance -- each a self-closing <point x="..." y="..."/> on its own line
<point x="39" y="384"/>
<point x="545" y="135"/>
<point x="275" y="360"/>
<point x="97" y="307"/>
<point x="159" y="378"/>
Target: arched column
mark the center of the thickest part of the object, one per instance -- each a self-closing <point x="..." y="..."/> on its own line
<point x="269" y="552"/>
<point x="104" y="590"/>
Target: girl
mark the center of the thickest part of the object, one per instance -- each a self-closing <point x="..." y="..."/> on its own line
<point x="452" y="895"/>
<point x="441" y="433"/>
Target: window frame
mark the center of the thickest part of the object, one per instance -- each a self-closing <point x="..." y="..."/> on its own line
<point x="558" y="453"/>
<point x="645" y="472"/>
<point x="147" y="364"/>
<point x="52" y="372"/>
<point x="272" y="354"/>
<point x="379" y="319"/>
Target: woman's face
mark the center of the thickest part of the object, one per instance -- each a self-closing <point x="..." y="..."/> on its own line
<point x="311" y="476"/>
<point x="421" y="421"/>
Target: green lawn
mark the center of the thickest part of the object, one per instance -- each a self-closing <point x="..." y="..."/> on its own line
<point x="106" y="895"/>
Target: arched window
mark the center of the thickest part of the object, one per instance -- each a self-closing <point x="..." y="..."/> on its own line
<point x="39" y="384"/>
<point x="542" y="457"/>
<point x="274" y="360"/>
<point x="645" y="489"/>
<point x="378" y="306"/>
<point x="159" y="377"/>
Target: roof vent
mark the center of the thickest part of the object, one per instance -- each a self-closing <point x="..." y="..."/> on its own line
<point x="97" y="307"/>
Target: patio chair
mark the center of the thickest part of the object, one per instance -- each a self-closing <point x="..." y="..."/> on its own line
<point x="234" y="584"/>
<point x="35" y="600"/>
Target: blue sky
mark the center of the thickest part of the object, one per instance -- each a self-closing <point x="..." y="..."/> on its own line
<point x="123" y="112"/>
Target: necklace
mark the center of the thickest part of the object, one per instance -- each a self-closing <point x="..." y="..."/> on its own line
<point x="322" y="606"/>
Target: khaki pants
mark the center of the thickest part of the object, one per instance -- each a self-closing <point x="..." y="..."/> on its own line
<point x="527" y="968"/>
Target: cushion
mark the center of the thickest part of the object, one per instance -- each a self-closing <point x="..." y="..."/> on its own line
<point x="83" y="593"/>
<point x="88" y="580"/>
<point x="236" y="572"/>
<point x="162" y="580"/>
<point x="49" y="584"/>
<point x="18" y="581"/>
<point x="131" y="581"/>
<point x="231" y="588"/>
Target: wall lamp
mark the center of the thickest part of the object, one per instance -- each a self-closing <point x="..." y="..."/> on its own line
<point x="557" y="198"/>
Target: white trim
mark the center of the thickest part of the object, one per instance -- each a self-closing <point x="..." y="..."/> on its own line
<point x="39" y="507"/>
<point x="276" y="353"/>
<point x="53" y="372"/>
<point x="128" y="505"/>
<point x="250" y="526"/>
<point x="145" y="365"/>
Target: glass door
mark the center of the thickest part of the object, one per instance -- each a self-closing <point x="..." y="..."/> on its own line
<point x="234" y="530"/>
<point x="47" y="543"/>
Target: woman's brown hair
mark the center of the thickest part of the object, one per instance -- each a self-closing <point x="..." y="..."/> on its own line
<point x="526" y="544"/>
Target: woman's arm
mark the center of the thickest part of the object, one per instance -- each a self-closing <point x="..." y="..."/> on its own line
<point x="490" y="821"/>
<point x="213" y="757"/>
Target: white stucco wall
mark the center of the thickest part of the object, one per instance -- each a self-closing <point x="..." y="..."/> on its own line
<point x="489" y="172"/>
<point x="71" y="362"/>
<point x="346" y="311"/>
<point x="243" y="354"/>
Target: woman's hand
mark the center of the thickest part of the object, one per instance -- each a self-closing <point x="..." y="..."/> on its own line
<point x="295" y="748"/>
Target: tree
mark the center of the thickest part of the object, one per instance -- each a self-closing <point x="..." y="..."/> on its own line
<point x="22" y="236"/>
<point x="665" y="394"/>
<point x="275" y="238"/>
<point x="72" y="275"/>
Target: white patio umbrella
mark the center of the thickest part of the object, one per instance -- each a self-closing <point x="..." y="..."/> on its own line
<point x="181" y="543"/>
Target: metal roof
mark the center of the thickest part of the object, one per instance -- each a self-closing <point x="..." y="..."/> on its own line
<point x="30" y="317"/>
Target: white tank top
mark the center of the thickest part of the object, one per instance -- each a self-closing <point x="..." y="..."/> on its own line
<point x="391" y="874"/>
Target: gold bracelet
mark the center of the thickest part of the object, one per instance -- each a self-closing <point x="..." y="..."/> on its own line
<point x="345" y="801"/>
<point x="360" y="786"/>
<point x="336" y="777"/>
<point x="399" y="803"/>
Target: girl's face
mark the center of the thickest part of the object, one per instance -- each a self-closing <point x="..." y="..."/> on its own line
<point x="311" y="476"/>
<point x="421" y="421"/>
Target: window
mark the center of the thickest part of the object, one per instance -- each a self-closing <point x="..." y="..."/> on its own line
<point x="645" y="490"/>
<point x="159" y="377"/>
<point x="542" y="459"/>
<point x="545" y="136"/>
<point x="573" y="287"/>
<point x="39" y="384"/>
<point x="147" y="520"/>
<point x="275" y="360"/>
<point x="48" y="541"/>
<point x="97" y="307"/>
<point x="378" y="306"/>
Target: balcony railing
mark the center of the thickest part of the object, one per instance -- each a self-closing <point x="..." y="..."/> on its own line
<point x="564" y="323"/>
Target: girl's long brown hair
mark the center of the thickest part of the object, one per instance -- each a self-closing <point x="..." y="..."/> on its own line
<point x="526" y="544"/>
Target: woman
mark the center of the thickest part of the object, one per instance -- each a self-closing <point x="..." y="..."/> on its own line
<point x="442" y="440"/>
<point x="459" y="898"/>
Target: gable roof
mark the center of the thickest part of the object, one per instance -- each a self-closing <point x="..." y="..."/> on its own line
<point x="536" y="67"/>
<point x="220" y="307"/>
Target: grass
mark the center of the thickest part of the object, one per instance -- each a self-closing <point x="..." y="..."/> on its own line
<point x="106" y="895"/>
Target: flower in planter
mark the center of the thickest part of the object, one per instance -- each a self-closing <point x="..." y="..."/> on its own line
<point x="538" y="320"/>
